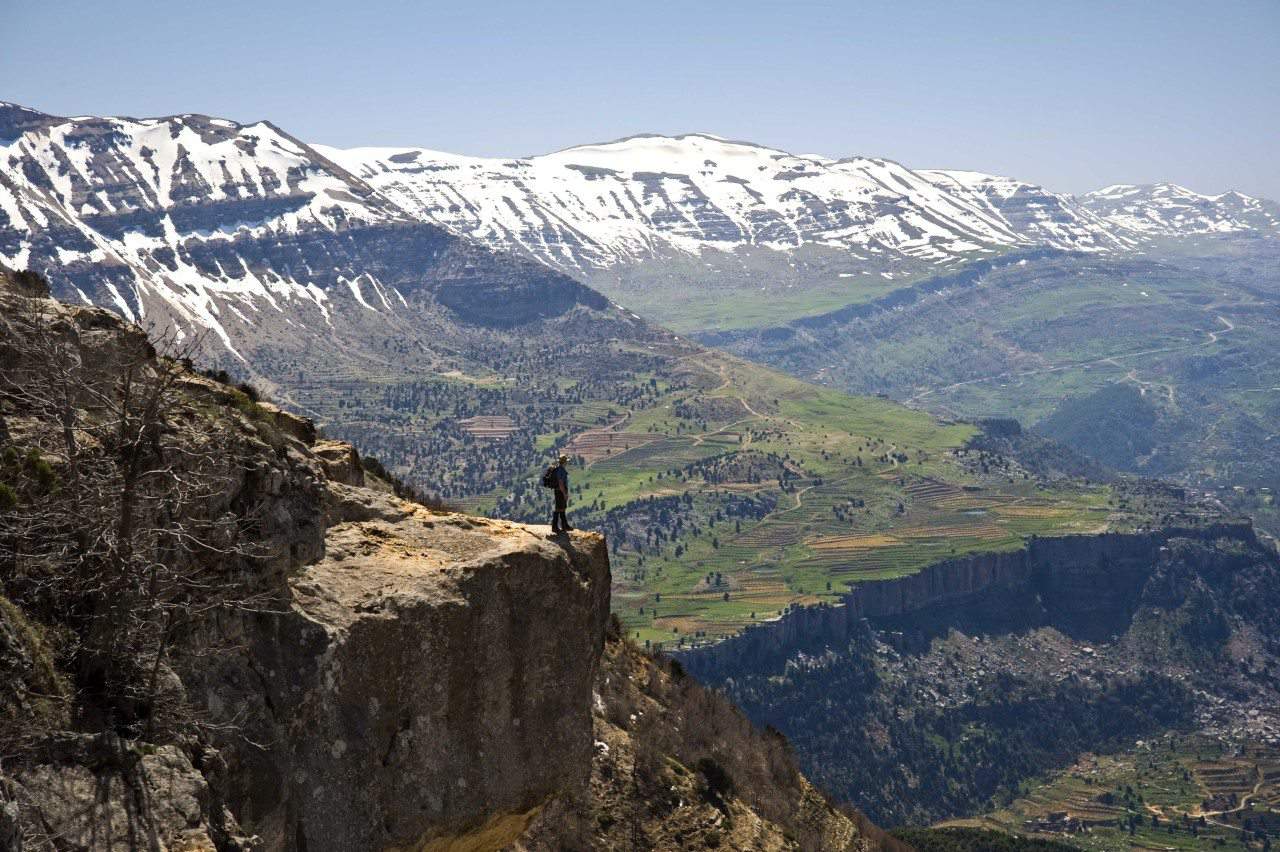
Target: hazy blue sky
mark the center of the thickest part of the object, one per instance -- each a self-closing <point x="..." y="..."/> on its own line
<point x="1073" y="94"/>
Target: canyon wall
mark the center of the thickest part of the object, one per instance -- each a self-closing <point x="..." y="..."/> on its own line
<point x="1085" y="585"/>
<point x="434" y="674"/>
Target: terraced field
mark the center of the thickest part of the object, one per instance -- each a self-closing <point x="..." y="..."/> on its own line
<point x="595" y="445"/>
<point x="492" y="428"/>
<point x="1179" y="793"/>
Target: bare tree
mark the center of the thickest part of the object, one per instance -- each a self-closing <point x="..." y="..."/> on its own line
<point x="117" y="528"/>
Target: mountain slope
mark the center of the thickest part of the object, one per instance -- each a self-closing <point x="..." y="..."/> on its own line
<point x="599" y="206"/>
<point x="700" y="232"/>
<point x="1169" y="210"/>
<point x="1039" y="216"/>
<point x="239" y="230"/>
<point x="1162" y="364"/>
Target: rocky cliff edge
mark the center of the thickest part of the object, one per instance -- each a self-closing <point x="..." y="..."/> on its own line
<point x="406" y="679"/>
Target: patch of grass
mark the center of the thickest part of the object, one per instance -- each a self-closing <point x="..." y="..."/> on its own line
<point x="838" y="467"/>
<point x="44" y="690"/>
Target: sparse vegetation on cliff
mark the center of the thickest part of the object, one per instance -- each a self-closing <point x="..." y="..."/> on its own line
<point x="117" y="534"/>
<point x="677" y="766"/>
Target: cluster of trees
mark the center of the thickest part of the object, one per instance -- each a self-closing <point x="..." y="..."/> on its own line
<point x="644" y="527"/>
<point x="975" y="840"/>
<point x="414" y="426"/>
<point x="846" y="510"/>
<point x="745" y="466"/>
<point x="870" y="740"/>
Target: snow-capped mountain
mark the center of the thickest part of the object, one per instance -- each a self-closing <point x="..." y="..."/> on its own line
<point x="1169" y="210"/>
<point x="1035" y="214"/>
<point x="244" y="230"/>
<point x="162" y="201"/>
<point x="215" y="224"/>
<point x="604" y="206"/>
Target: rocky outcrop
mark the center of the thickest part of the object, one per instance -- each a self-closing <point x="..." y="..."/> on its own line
<point x="395" y="677"/>
<point x="430" y="678"/>
<point x="676" y="766"/>
<point x="433" y="673"/>
<point x="102" y="794"/>
<point x="341" y="462"/>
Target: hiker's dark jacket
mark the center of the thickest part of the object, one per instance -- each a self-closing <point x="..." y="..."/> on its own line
<point x="561" y="475"/>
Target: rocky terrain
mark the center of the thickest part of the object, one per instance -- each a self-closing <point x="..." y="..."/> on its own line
<point x="386" y="675"/>
<point x="676" y="766"/>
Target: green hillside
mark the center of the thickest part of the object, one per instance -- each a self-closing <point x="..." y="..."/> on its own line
<point x="1161" y="364"/>
<point x="741" y="491"/>
<point x="729" y="491"/>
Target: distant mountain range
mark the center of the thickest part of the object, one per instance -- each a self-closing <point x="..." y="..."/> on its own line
<point x="212" y="221"/>
<point x="609" y="205"/>
<point x="601" y="206"/>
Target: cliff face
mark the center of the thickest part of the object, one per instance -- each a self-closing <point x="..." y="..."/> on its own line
<point x="433" y="673"/>
<point x="390" y="677"/>
<point x="1086" y="586"/>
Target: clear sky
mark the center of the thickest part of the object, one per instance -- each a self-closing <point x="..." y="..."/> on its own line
<point x="1073" y="94"/>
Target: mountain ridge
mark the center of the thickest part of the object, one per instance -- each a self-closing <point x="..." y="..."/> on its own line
<point x="205" y="221"/>
<point x="204" y="224"/>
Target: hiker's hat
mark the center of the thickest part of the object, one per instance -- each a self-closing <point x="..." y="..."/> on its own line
<point x="563" y="457"/>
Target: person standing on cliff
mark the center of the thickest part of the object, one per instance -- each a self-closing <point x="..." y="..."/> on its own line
<point x="560" y="476"/>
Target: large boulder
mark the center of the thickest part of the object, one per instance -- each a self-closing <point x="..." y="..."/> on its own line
<point x="104" y="794"/>
<point x="341" y="461"/>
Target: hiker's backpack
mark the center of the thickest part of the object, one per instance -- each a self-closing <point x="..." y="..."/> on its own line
<point x="549" y="478"/>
